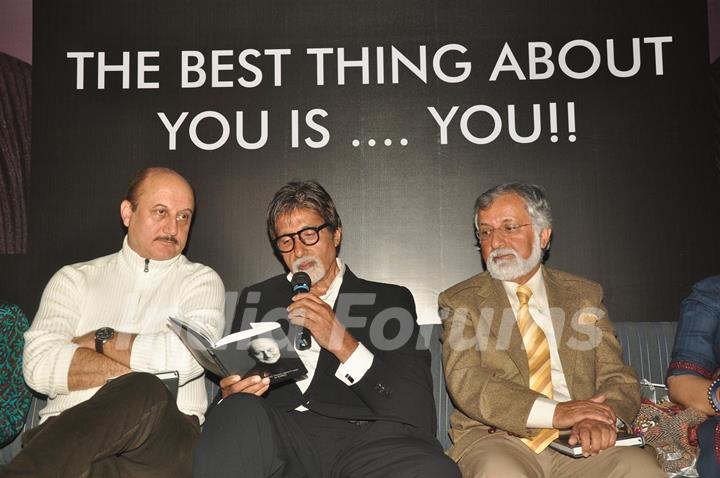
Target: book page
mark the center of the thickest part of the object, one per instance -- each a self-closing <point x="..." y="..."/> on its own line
<point x="256" y="329"/>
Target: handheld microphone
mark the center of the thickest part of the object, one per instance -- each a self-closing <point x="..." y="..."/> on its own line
<point x="300" y="283"/>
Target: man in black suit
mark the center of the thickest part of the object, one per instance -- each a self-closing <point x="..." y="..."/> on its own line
<point x="365" y="408"/>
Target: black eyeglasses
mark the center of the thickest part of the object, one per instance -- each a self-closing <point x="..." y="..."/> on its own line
<point x="307" y="235"/>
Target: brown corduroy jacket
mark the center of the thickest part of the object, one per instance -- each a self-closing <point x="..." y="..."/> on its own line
<point x="486" y="367"/>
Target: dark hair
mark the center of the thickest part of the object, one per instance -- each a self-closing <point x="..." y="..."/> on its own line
<point x="133" y="190"/>
<point x="536" y="203"/>
<point x="302" y="195"/>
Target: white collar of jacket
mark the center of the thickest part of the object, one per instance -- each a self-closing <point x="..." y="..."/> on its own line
<point x="137" y="263"/>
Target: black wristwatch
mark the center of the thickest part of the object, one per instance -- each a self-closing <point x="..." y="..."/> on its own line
<point x="102" y="335"/>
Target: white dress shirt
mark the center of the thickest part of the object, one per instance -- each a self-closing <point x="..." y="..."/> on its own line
<point x="354" y="367"/>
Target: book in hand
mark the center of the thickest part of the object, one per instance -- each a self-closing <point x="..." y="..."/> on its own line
<point x="262" y="350"/>
<point x="563" y="445"/>
<point x="171" y="380"/>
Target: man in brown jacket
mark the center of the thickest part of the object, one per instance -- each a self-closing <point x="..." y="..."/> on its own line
<point x="529" y="352"/>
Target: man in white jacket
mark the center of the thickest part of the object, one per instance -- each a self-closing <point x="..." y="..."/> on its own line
<point x="101" y="321"/>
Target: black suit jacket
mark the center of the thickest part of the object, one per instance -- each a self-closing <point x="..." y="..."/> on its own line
<point x="398" y="385"/>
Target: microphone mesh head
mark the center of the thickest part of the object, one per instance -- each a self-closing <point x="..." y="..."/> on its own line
<point x="301" y="282"/>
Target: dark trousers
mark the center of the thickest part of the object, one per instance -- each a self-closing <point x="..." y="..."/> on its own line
<point x="130" y="428"/>
<point x="243" y="437"/>
<point x="708" y="463"/>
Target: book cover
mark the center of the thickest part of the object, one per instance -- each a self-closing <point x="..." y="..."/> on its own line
<point x="262" y="350"/>
<point x="171" y="380"/>
<point x="563" y="446"/>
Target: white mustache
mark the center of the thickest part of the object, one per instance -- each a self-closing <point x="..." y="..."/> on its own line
<point x="301" y="262"/>
<point x="505" y="251"/>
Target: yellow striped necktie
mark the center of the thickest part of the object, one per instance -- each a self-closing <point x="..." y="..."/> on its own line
<point x="538" y="352"/>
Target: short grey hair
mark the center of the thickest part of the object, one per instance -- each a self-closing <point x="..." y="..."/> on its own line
<point x="536" y="203"/>
<point x="302" y="195"/>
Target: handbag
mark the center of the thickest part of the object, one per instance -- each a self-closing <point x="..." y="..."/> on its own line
<point x="672" y="432"/>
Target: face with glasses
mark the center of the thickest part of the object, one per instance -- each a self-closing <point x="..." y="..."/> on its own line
<point x="158" y="227"/>
<point x="510" y="246"/>
<point x="306" y="243"/>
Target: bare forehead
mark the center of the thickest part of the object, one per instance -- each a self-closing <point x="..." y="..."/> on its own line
<point x="167" y="187"/>
<point x="507" y="207"/>
<point x="262" y="343"/>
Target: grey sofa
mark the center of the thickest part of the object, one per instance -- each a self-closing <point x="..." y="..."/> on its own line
<point x="646" y="347"/>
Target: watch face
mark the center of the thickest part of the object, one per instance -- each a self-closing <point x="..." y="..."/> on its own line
<point x="104" y="333"/>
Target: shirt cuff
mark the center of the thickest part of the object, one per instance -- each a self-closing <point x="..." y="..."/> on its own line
<point x="355" y="366"/>
<point x="542" y="413"/>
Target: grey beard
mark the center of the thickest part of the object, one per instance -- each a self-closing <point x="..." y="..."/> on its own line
<point x="517" y="267"/>
<point x="316" y="273"/>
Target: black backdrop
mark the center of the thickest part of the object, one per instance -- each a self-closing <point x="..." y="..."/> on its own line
<point x="634" y="196"/>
